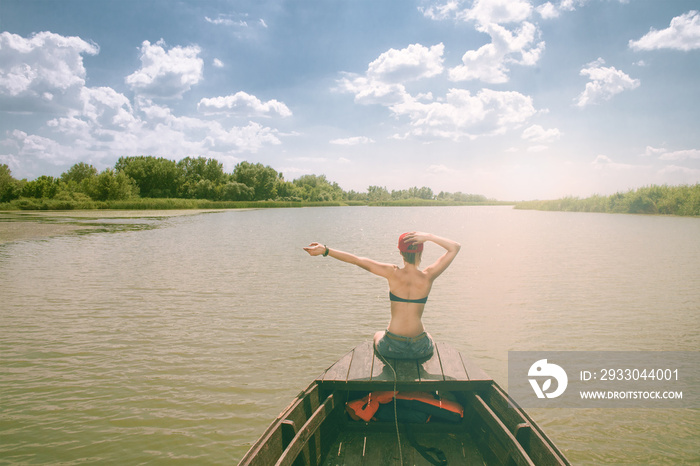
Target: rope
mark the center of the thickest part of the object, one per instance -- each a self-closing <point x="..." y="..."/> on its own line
<point x="396" y="416"/>
<point x="434" y="456"/>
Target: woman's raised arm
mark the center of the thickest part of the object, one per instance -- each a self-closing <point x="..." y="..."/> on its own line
<point x="451" y="249"/>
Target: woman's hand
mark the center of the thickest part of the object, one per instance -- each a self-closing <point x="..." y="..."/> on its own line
<point x="417" y="237"/>
<point x="315" y="249"/>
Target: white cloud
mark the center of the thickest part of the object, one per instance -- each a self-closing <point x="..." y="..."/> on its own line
<point x="441" y="169"/>
<point x="412" y="63"/>
<point x="166" y="74"/>
<point x="498" y="11"/>
<point x="458" y="115"/>
<point x="217" y="63"/>
<point x="189" y="135"/>
<point x="603" y="162"/>
<point x="605" y="83"/>
<point x="353" y="141"/>
<point x="536" y="133"/>
<point x="371" y="91"/>
<point x="490" y="62"/>
<point x="242" y="103"/>
<point x="226" y="20"/>
<point x="111" y="126"/>
<point x="548" y="10"/>
<point x="463" y="115"/>
<point x="42" y="73"/>
<point x="482" y="11"/>
<point x="239" y="25"/>
<point x="107" y="107"/>
<point x="692" y="174"/>
<point x="692" y="154"/>
<point x="96" y="124"/>
<point x="517" y="44"/>
<point x="445" y="10"/>
<point x="382" y="83"/>
<point x="250" y="138"/>
<point x="33" y="148"/>
<point x="309" y="159"/>
<point x="682" y="34"/>
<point x="652" y="151"/>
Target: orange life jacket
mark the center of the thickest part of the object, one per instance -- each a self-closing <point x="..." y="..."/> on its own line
<point x="365" y="408"/>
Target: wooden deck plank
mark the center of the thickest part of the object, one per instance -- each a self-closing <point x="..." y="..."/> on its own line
<point x="406" y="370"/>
<point x="452" y="446"/>
<point x="431" y="370"/>
<point x="361" y="364"/>
<point x="474" y="372"/>
<point x="451" y="362"/>
<point x="339" y="370"/>
<point x="361" y="368"/>
<point x="381" y="448"/>
<point x="380" y="370"/>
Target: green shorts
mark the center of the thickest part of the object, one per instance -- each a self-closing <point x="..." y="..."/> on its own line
<point x="393" y="346"/>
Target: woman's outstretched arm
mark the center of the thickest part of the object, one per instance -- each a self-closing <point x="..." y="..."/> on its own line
<point x="377" y="268"/>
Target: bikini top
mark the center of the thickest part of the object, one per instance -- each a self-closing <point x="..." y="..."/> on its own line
<point x="393" y="297"/>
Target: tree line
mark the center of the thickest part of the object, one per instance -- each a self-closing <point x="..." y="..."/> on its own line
<point x="148" y="177"/>
<point x="683" y="200"/>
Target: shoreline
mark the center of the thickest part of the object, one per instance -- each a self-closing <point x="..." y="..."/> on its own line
<point x="39" y="225"/>
<point x="28" y="225"/>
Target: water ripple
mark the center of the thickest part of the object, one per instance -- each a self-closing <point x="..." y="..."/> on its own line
<point x="181" y="343"/>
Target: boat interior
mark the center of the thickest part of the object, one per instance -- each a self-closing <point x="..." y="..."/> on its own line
<point x="317" y="429"/>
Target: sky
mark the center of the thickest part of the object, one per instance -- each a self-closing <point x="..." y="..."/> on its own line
<point x="511" y="99"/>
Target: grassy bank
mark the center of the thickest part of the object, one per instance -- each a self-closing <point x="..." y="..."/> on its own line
<point x="433" y="203"/>
<point x="654" y="200"/>
<point x="184" y="204"/>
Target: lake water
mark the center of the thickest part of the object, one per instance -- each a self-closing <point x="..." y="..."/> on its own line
<point x="181" y="343"/>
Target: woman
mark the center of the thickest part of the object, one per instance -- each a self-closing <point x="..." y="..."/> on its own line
<point x="405" y="338"/>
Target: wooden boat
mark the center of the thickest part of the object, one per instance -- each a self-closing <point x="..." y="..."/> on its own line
<point x="315" y="428"/>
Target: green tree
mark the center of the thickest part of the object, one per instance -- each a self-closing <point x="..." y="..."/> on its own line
<point x="234" y="191"/>
<point x="288" y="190"/>
<point x="80" y="178"/>
<point x="113" y="186"/>
<point x="263" y="179"/>
<point x="420" y="193"/>
<point x="78" y="173"/>
<point x="204" y="189"/>
<point x="318" y="188"/>
<point x="9" y="187"/>
<point x="155" y="177"/>
<point x="641" y="203"/>
<point x="377" y="194"/>
<point x="194" y="171"/>
<point x="352" y="195"/>
<point x="44" y="187"/>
